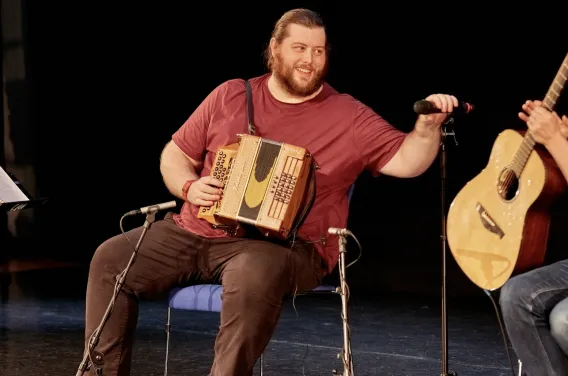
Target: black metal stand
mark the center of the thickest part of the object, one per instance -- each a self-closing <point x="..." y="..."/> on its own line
<point x="95" y="358"/>
<point x="346" y="355"/>
<point x="444" y="133"/>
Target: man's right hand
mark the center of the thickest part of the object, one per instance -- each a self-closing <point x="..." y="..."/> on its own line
<point x="205" y="191"/>
<point x="529" y="106"/>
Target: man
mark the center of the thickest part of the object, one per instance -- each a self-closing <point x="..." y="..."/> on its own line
<point x="535" y="304"/>
<point x="292" y="104"/>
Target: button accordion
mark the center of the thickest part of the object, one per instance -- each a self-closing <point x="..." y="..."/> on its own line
<point x="267" y="185"/>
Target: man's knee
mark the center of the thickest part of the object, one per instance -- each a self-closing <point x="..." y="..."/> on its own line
<point x="258" y="274"/>
<point x="108" y="257"/>
<point x="559" y="323"/>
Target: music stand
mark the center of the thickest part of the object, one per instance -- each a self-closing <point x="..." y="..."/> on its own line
<point x="14" y="196"/>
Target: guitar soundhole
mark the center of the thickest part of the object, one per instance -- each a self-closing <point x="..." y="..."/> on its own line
<point x="508" y="184"/>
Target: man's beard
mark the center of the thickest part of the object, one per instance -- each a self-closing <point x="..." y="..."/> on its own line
<point x="285" y="75"/>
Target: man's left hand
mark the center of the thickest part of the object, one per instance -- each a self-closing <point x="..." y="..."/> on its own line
<point x="446" y="103"/>
<point x="544" y="125"/>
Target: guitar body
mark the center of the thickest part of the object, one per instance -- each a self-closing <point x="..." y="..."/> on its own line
<point x="493" y="233"/>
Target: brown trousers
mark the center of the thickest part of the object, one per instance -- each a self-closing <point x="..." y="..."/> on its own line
<point x="256" y="275"/>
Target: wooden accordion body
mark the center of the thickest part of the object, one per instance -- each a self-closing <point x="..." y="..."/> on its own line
<point x="268" y="185"/>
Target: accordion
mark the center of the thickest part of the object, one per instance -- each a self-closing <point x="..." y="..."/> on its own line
<point x="267" y="185"/>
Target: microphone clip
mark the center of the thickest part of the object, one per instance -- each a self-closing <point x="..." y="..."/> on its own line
<point x="449" y="119"/>
<point x="444" y="130"/>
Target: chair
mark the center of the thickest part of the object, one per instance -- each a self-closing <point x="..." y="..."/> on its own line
<point x="207" y="298"/>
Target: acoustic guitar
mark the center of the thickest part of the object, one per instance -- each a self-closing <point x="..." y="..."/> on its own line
<point x="497" y="225"/>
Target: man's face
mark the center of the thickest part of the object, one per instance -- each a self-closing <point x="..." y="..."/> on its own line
<point x="300" y="61"/>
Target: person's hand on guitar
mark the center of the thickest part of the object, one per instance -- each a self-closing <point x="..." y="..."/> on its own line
<point x="551" y="120"/>
<point x="205" y="191"/>
<point x="446" y="103"/>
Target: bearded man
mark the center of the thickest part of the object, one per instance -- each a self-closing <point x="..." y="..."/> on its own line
<point x="290" y="104"/>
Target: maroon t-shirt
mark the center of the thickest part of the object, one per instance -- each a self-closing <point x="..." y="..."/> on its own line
<point x="344" y="136"/>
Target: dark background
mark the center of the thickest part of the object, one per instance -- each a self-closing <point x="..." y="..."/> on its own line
<point x="106" y="86"/>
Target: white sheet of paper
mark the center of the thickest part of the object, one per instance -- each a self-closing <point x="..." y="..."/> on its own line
<point x="9" y="191"/>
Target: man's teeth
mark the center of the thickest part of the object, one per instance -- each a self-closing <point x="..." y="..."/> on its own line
<point x="304" y="70"/>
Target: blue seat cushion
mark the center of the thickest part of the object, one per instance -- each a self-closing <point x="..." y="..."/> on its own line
<point x="325" y="288"/>
<point x="197" y="298"/>
<point x="208" y="297"/>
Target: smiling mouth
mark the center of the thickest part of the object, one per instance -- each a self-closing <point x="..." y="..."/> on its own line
<point x="304" y="73"/>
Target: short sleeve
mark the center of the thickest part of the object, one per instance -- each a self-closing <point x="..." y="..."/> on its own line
<point x="191" y="137"/>
<point x="375" y="138"/>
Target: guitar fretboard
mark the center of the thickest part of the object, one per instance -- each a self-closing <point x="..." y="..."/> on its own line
<point x="549" y="102"/>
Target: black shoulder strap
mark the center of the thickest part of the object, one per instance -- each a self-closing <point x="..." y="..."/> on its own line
<point x="250" y="120"/>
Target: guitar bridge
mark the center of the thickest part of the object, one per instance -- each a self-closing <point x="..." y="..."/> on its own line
<point x="488" y="222"/>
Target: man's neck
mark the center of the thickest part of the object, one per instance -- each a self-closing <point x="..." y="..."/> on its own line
<point x="278" y="92"/>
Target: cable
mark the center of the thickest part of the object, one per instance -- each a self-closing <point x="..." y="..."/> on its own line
<point x="124" y="232"/>
<point x="360" y="250"/>
<point x="488" y="293"/>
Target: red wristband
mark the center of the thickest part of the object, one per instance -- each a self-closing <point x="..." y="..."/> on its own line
<point x="185" y="189"/>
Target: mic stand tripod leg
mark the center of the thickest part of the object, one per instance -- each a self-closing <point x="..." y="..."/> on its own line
<point x="346" y="355"/>
<point x="444" y="134"/>
<point x="94" y="357"/>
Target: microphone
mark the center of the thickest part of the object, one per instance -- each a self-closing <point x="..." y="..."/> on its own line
<point x="153" y="208"/>
<point x="425" y="107"/>
<point x="339" y="231"/>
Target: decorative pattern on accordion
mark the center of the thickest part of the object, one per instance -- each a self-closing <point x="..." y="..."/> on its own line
<point x="265" y="186"/>
<point x="220" y="170"/>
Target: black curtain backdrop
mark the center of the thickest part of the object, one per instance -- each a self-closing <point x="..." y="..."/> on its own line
<point x="109" y="86"/>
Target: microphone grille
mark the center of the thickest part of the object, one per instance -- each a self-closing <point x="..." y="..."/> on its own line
<point x="422" y="107"/>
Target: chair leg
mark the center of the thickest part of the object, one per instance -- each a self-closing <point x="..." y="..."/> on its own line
<point x="168" y="324"/>
<point x="261" y="364"/>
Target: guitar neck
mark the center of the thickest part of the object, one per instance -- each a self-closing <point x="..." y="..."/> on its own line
<point x="557" y="86"/>
<point x="549" y="102"/>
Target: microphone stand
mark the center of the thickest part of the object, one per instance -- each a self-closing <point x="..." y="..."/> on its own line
<point x="95" y="357"/>
<point x="346" y="355"/>
<point x="444" y="134"/>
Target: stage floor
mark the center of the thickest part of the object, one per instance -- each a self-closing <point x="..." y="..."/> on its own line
<point x="42" y="318"/>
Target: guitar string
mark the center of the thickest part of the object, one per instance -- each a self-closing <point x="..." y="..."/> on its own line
<point x="511" y="173"/>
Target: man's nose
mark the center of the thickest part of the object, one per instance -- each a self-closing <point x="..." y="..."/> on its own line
<point x="308" y="57"/>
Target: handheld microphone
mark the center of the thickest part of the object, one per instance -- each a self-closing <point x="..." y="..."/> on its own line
<point x="339" y="231"/>
<point x="425" y="107"/>
<point x="153" y="208"/>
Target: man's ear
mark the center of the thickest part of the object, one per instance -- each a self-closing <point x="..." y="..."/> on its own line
<point x="273" y="46"/>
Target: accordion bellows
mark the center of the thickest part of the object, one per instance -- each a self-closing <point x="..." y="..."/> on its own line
<point x="267" y="184"/>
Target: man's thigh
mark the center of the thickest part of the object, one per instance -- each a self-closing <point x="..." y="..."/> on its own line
<point x="268" y="266"/>
<point x="167" y="256"/>
<point x="541" y="288"/>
